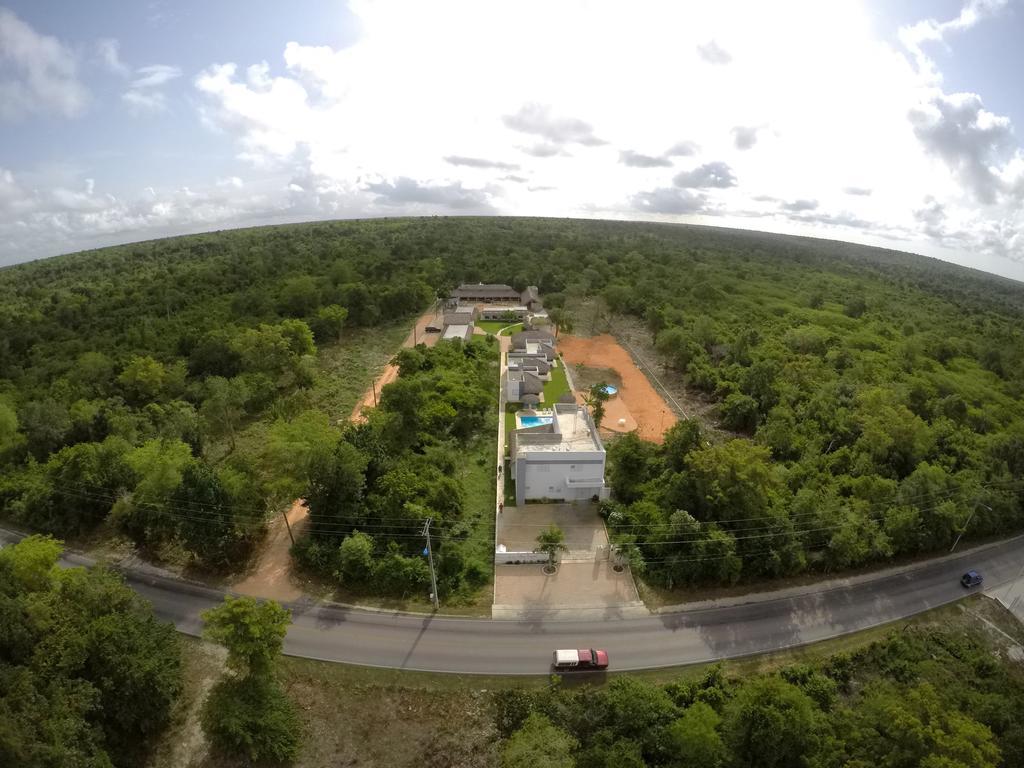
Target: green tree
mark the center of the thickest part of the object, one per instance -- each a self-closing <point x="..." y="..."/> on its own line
<point x="221" y="524"/>
<point x="681" y="439"/>
<point x="253" y="718"/>
<point x="94" y="370"/>
<point x="299" y="296"/>
<point x="31" y="562"/>
<point x="551" y="542"/>
<point x="294" y="447"/>
<point x="223" y="408"/>
<point x="639" y="710"/>
<point x="45" y="424"/>
<point x="694" y="739"/>
<point x="732" y="480"/>
<point x="595" y="398"/>
<point x="739" y="413"/>
<point x="252" y="632"/>
<point x="356" y="558"/>
<point x="771" y="724"/>
<point x="330" y="323"/>
<point x="631" y="463"/>
<point x="142" y="379"/>
<point x="247" y="714"/>
<point x="561" y="319"/>
<point x="539" y="744"/>
<point x="11" y="439"/>
<point x="98" y="629"/>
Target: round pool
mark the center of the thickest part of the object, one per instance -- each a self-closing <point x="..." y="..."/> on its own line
<point x="610" y="390"/>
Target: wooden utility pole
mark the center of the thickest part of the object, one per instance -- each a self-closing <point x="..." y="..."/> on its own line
<point x="284" y="514"/>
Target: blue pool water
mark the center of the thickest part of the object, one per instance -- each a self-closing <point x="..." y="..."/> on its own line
<point x="534" y="421"/>
<point x="610" y="390"/>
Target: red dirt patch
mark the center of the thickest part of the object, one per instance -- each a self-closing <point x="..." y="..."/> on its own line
<point x="637" y="401"/>
<point x="271" y="577"/>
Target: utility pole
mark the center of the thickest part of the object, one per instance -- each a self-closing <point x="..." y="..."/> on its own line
<point x="430" y="557"/>
<point x="373" y="386"/>
<point x="968" y="522"/>
<point x="284" y="514"/>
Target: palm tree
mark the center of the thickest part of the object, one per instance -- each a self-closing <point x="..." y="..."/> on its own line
<point x="551" y="542"/>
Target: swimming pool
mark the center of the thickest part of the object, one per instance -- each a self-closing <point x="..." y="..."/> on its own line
<point x="610" y="390"/>
<point x="534" y="421"/>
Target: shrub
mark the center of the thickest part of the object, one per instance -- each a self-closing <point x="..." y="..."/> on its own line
<point x="252" y="717"/>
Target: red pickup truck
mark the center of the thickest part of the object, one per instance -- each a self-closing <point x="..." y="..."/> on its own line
<point x="587" y="658"/>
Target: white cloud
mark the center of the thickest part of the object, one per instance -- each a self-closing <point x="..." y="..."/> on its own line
<point x="155" y="75"/>
<point x="145" y="95"/>
<point x="52" y="217"/>
<point x="713" y="53"/>
<point x="816" y="126"/>
<point x="968" y="138"/>
<point x="109" y="51"/>
<point x="38" y="73"/>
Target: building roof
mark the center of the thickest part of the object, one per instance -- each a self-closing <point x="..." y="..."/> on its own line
<point x="456" y="332"/>
<point x="519" y="339"/>
<point x="488" y="290"/>
<point x="575" y="429"/>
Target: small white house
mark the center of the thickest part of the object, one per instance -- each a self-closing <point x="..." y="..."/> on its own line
<point x="557" y="455"/>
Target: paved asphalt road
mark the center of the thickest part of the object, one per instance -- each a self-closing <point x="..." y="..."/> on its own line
<point x="523" y="646"/>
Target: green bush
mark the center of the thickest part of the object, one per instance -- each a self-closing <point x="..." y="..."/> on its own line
<point x="252" y="718"/>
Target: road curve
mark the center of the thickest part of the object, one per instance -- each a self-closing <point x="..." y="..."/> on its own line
<point x="523" y="646"/>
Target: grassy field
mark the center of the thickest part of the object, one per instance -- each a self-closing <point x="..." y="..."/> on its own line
<point x="343" y="373"/>
<point x="363" y="716"/>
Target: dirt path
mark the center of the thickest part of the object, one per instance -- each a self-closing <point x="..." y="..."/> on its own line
<point x="271" y="576"/>
<point x="418" y="335"/>
<point x="637" y="403"/>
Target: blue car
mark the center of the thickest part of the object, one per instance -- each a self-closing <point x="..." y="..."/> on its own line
<point x="971" y="579"/>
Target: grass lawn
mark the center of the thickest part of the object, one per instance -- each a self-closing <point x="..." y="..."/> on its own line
<point x="493" y="326"/>
<point x="558" y="386"/>
<point x="510" y="420"/>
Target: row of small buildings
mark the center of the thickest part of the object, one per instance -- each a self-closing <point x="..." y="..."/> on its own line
<point x="470" y="303"/>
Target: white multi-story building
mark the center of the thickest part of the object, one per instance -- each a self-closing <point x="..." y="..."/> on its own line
<point x="557" y="454"/>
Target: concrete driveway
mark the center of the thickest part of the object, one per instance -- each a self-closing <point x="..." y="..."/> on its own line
<point x="577" y="589"/>
<point x="585" y="583"/>
<point x="518" y="527"/>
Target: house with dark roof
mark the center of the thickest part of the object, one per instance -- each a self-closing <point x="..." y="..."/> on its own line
<point x="486" y="292"/>
<point x="519" y="383"/>
<point x="530" y="298"/>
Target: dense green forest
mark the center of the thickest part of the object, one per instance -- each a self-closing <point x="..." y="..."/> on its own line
<point x="922" y="698"/>
<point x="868" y="402"/>
<point x="369" y="499"/>
<point x="88" y="676"/>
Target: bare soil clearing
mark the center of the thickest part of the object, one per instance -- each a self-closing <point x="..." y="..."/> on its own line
<point x="637" y="401"/>
<point x="271" y="577"/>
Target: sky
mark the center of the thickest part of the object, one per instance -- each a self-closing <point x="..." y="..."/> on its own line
<point x="885" y="123"/>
